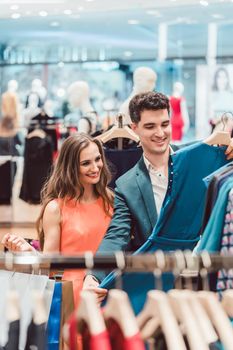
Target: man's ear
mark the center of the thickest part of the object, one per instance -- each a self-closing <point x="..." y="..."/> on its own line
<point x="133" y="126"/>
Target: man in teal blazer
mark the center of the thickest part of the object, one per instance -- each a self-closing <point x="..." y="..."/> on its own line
<point x="139" y="193"/>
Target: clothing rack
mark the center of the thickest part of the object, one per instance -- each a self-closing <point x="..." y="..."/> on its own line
<point x="175" y="262"/>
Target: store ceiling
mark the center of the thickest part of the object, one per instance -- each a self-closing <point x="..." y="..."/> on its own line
<point x="102" y="28"/>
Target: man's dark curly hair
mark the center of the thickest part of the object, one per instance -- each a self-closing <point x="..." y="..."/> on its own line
<point x="147" y="101"/>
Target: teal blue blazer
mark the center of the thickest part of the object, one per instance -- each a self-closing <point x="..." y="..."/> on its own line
<point x="135" y="213"/>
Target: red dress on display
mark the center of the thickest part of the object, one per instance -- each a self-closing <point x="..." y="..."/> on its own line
<point x="177" y="121"/>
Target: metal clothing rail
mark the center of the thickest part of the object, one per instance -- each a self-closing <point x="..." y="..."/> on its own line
<point x="177" y="261"/>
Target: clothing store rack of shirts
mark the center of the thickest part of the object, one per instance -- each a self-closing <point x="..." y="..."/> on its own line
<point x="176" y="261"/>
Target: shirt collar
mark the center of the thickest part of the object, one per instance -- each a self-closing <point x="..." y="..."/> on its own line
<point x="148" y="164"/>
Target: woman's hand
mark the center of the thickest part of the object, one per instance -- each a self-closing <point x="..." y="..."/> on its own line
<point x="16" y="243"/>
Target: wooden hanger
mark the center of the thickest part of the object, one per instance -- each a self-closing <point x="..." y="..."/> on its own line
<point x="89" y="312"/>
<point x="218" y="317"/>
<point x="118" y="308"/>
<point x="184" y="314"/>
<point x="12" y="306"/>
<point x="227" y="302"/>
<point x="158" y="308"/>
<point x="201" y="317"/>
<point x="119" y="131"/>
<point x="218" y="138"/>
<point x="39" y="310"/>
<point x="36" y="133"/>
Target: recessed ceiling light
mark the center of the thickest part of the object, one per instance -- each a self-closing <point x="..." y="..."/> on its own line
<point x="89" y="0"/>
<point x="80" y="8"/>
<point x="133" y="21"/>
<point x="14" y="7"/>
<point x="154" y="13"/>
<point x="128" y="53"/>
<point x="28" y="13"/>
<point x="43" y="13"/>
<point x="204" y="3"/>
<point x="15" y="15"/>
<point x="217" y="16"/>
<point x="75" y="16"/>
<point x="54" y="24"/>
<point x="67" y="12"/>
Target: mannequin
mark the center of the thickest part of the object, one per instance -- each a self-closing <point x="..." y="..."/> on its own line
<point x="83" y="114"/>
<point x="10" y="102"/>
<point x="144" y="80"/>
<point x="39" y="92"/>
<point x="179" y="112"/>
<point x="35" y="101"/>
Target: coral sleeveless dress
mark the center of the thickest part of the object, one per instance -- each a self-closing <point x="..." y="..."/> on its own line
<point x="83" y="226"/>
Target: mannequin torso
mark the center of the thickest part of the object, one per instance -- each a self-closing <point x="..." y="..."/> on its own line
<point x="83" y="115"/>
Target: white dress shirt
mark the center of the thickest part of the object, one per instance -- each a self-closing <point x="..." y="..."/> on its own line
<point x="159" y="183"/>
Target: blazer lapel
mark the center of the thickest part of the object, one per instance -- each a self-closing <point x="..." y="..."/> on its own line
<point x="145" y="187"/>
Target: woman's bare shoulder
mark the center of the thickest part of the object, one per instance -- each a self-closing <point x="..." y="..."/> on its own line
<point x="53" y="207"/>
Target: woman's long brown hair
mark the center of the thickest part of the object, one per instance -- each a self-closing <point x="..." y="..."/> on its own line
<point x="64" y="180"/>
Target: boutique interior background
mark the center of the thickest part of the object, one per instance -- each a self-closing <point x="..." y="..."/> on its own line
<point x="103" y="42"/>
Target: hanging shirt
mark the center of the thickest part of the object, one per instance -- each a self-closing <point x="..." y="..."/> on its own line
<point x="180" y="219"/>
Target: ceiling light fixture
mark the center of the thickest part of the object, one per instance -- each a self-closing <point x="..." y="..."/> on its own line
<point x="154" y="13"/>
<point x="54" y="24"/>
<point x="14" y="7"/>
<point x="128" y="53"/>
<point x="15" y="15"/>
<point x="67" y="12"/>
<point x="43" y="13"/>
<point x="204" y="3"/>
<point x="217" y="16"/>
<point x="133" y="21"/>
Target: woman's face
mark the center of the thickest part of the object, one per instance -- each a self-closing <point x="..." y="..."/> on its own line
<point x="222" y="80"/>
<point x="90" y="165"/>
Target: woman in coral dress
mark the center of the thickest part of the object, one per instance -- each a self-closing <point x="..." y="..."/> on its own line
<point x="76" y="205"/>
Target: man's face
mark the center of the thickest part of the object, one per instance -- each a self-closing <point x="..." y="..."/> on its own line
<point x="154" y="131"/>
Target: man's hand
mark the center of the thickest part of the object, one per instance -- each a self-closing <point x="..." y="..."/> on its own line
<point x="229" y="150"/>
<point x="90" y="283"/>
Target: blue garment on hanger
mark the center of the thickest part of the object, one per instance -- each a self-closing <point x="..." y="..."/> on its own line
<point x="211" y="238"/>
<point x="180" y="219"/>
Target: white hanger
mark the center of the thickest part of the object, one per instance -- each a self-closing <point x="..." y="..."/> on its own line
<point x="218" y="317"/>
<point x="119" y="309"/>
<point x="184" y="314"/>
<point x="158" y="308"/>
<point x="120" y="131"/>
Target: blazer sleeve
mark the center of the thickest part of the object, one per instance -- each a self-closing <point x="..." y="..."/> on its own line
<point x="118" y="234"/>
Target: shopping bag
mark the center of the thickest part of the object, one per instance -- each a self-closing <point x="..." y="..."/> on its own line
<point x="67" y="307"/>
